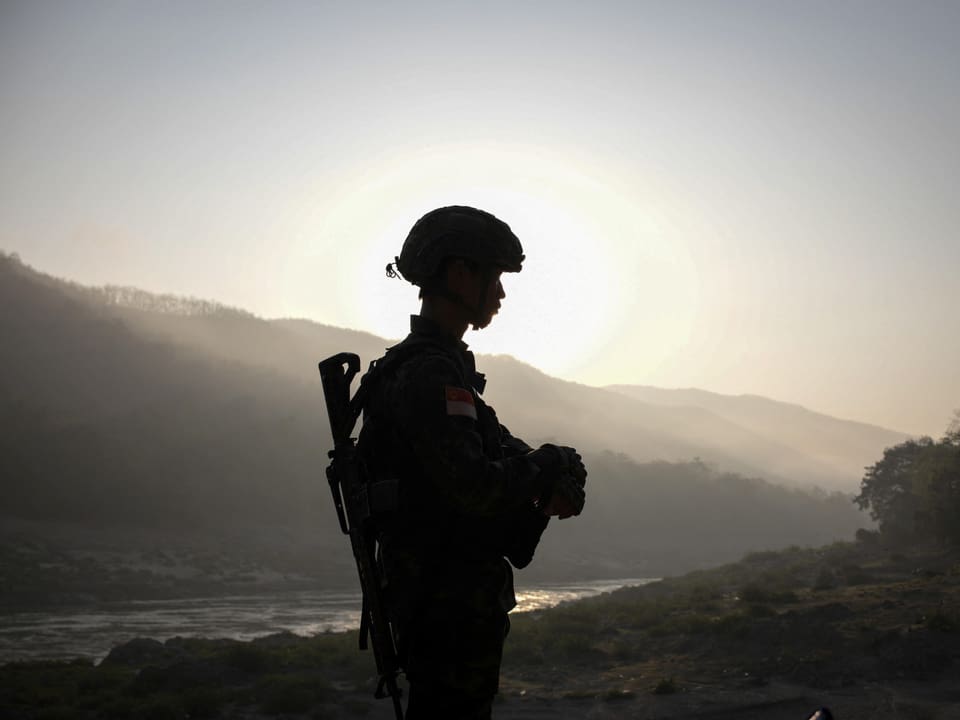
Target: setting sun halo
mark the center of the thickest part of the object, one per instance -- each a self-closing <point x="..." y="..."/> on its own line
<point x="596" y="261"/>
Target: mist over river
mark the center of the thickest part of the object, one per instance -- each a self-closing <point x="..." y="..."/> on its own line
<point x="90" y="631"/>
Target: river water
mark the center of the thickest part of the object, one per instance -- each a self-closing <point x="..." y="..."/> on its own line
<point x="91" y="631"/>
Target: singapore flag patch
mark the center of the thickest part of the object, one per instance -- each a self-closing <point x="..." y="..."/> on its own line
<point x="460" y="402"/>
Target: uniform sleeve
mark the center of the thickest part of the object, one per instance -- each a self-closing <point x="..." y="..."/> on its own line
<point x="527" y="523"/>
<point x="523" y="535"/>
<point x="510" y="445"/>
<point x="438" y="420"/>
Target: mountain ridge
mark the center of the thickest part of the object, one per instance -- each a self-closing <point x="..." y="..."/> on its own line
<point x="213" y="424"/>
<point x="835" y="439"/>
<point x="747" y="433"/>
<point x="621" y="387"/>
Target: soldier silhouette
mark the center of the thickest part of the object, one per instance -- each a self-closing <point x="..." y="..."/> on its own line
<point x="471" y="499"/>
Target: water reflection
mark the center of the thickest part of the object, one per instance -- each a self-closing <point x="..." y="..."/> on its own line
<point x="91" y="632"/>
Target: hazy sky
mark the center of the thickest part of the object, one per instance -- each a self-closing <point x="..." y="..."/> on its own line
<point x="748" y="197"/>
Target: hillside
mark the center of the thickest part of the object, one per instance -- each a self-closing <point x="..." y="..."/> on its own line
<point x="126" y="413"/>
<point x="748" y="435"/>
<point x="835" y="444"/>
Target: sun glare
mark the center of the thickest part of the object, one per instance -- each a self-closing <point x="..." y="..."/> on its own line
<point x="597" y="260"/>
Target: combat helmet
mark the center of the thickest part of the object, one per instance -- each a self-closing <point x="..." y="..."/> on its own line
<point x="457" y="231"/>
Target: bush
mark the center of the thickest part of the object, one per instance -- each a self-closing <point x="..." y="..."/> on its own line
<point x="667" y="686"/>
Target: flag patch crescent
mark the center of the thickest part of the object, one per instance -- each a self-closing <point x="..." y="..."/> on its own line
<point x="460" y="402"/>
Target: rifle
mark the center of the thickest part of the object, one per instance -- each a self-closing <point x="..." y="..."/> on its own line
<point x="352" y="502"/>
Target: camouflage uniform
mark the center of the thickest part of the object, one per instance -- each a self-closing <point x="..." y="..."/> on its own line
<point x="464" y="505"/>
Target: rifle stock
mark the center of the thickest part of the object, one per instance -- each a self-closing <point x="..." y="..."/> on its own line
<point x="352" y="503"/>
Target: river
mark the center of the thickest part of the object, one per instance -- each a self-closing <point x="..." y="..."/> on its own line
<point x="91" y="631"/>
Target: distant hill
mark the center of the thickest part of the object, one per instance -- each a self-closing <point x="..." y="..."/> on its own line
<point x="837" y="447"/>
<point x="121" y="409"/>
<point x="103" y="424"/>
<point x="749" y="434"/>
<point x="541" y="407"/>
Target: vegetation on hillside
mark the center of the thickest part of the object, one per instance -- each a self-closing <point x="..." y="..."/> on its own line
<point x="914" y="490"/>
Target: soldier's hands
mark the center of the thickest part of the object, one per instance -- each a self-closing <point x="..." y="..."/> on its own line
<point x="566" y="498"/>
<point x="565" y="476"/>
<point x="575" y="465"/>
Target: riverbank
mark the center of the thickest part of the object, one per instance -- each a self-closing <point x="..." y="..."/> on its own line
<point x="90" y="630"/>
<point x="872" y="632"/>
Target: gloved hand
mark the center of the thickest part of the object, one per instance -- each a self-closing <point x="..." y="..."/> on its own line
<point x="564" y="476"/>
<point x="566" y="498"/>
<point x="575" y="465"/>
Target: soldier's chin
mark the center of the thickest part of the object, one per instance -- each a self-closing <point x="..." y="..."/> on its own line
<point x="483" y="322"/>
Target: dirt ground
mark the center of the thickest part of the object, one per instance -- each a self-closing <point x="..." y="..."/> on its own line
<point x="775" y="701"/>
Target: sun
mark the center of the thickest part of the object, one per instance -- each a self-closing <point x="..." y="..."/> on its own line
<point x="596" y="261"/>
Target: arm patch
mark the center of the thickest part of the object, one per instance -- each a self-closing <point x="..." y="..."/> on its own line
<point x="460" y="402"/>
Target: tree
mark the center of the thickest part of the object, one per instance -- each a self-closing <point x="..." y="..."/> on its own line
<point x="953" y="429"/>
<point x="914" y="491"/>
<point x="887" y="490"/>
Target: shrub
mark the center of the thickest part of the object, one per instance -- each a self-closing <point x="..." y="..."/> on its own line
<point x="667" y="686"/>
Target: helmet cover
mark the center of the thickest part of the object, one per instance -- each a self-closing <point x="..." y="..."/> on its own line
<point x="462" y="232"/>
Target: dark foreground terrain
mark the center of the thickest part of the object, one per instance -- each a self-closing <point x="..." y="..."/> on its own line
<point x="871" y="632"/>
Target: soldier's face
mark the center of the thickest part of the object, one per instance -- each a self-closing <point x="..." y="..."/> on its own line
<point x="480" y="289"/>
<point x="491" y="296"/>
